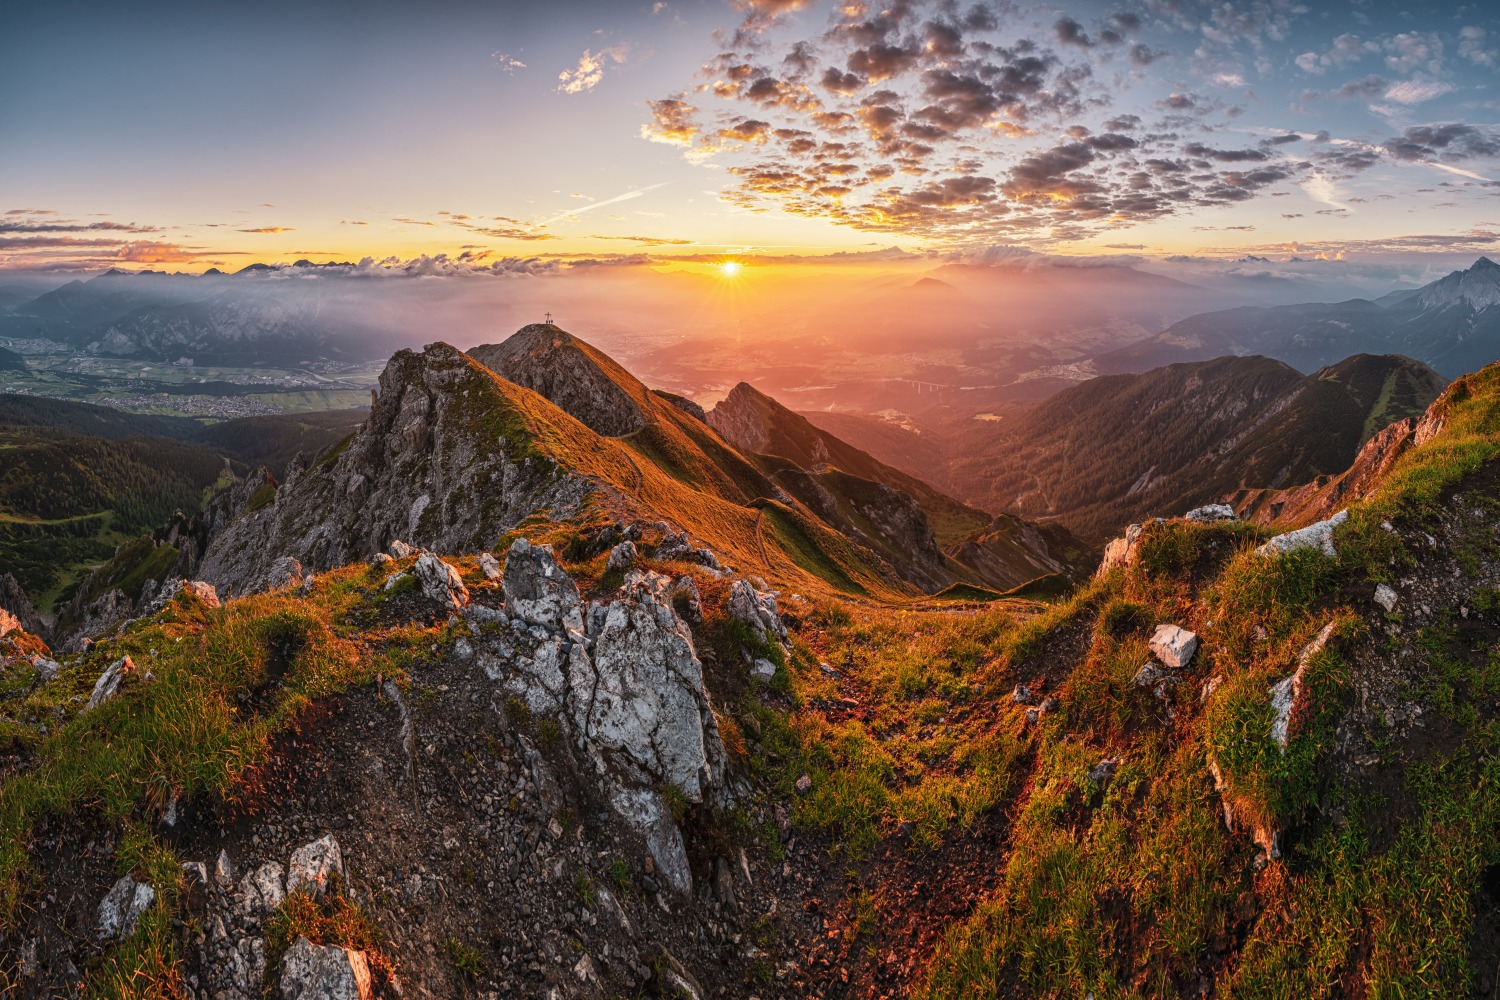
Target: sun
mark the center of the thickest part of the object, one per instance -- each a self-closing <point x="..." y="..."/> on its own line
<point x="730" y="269"/>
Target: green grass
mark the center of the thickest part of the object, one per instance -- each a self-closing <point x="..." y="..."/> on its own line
<point x="185" y="729"/>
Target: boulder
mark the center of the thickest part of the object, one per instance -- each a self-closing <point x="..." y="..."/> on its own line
<point x="324" y="972"/>
<point x="756" y="608"/>
<point x="108" y="684"/>
<point x="1211" y="513"/>
<point x="1157" y="679"/>
<point x="1022" y="695"/>
<point x="204" y="592"/>
<point x="538" y="591"/>
<point x="441" y="582"/>
<point x="399" y="549"/>
<point x="1314" y="536"/>
<point x="763" y="670"/>
<point x="313" y="865"/>
<point x="1385" y="597"/>
<point x="1173" y="646"/>
<point x="489" y="566"/>
<point x="381" y="559"/>
<point x="122" y="908"/>
<point x="622" y="557"/>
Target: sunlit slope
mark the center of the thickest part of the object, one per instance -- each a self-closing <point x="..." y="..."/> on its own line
<point x="1147" y="834"/>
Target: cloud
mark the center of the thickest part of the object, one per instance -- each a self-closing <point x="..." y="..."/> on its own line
<point x="1447" y="141"/>
<point x="1345" y="50"/>
<point x="1414" y="50"/>
<point x="1366" y="87"/>
<point x="1473" y="46"/>
<point x="69" y="227"/>
<point x="938" y="119"/>
<point x="507" y="64"/>
<point x="1417" y="91"/>
<point x="590" y="69"/>
<point x="269" y="229"/>
<point x="146" y="252"/>
<point x="673" y="121"/>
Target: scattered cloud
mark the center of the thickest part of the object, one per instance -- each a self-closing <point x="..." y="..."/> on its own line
<point x="69" y="227"/>
<point x="270" y="229"/>
<point x="590" y="69"/>
<point x="506" y="63"/>
<point x="673" y="121"/>
<point x="1417" y="91"/>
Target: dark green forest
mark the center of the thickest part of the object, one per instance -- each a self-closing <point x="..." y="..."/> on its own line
<point x="77" y="480"/>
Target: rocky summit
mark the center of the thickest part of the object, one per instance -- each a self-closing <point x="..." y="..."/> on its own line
<point x="543" y="684"/>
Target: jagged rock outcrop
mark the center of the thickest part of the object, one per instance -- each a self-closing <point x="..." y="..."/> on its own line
<point x="1324" y="496"/>
<point x="622" y="556"/>
<point x="571" y="373"/>
<point x="440" y="582"/>
<point x="757" y="608"/>
<point x="538" y="591"/>
<point x="445" y="461"/>
<point x="13" y="599"/>
<point x="623" y="678"/>
<point x="96" y="618"/>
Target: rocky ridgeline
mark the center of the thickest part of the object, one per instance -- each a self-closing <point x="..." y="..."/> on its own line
<point x="443" y="459"/>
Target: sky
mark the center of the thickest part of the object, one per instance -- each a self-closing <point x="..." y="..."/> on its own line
<point x="494" y="136"/>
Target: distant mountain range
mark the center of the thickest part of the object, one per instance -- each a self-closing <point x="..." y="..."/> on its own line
<point x="255" y="317"/>
<point x="1452" y="324"/>
<point x="1117" y="448"/>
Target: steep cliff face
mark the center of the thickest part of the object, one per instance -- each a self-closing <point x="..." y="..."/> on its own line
<point x="446" y="460"/>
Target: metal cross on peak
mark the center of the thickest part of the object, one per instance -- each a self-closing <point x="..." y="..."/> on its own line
<point x="549" y="319"/>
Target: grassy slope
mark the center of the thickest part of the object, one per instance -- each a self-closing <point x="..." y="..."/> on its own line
<point x="1133" y="887"/>
<point x="679" y="470"/>
<point x="1195" y="433"/>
